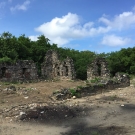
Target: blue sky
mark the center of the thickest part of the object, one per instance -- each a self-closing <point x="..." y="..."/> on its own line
<point x="94" y="25"/>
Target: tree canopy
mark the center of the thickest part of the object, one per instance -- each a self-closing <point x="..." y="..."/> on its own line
<point x="22" y="48"/>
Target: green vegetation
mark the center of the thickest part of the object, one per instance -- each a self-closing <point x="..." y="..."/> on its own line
<point x="79" y="87"/>
<point x="22" y="48"/>
<point x="74" y="92"/>
<point x="95" y="80"/>
<point x="94" y="133"/>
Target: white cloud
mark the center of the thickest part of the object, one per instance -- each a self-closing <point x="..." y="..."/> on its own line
<point x="23" y="6"/>
<point x="33" y="38"/>
<point x="63" y="30"/>
<point x="121" y="21"/>
<point x="69" y="27"/>
<point x="113" y="40"/>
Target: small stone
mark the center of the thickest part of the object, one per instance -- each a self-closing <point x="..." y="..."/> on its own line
<point x="22" y="113"/>
<point x="74" y="97"/>
<point x="26" y="97"/>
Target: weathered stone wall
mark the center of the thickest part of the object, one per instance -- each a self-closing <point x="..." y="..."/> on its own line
<point x="20" y="71"/>
<point x="53" y="68"/>
<point x="26" y="70"/>
<point x="98" y="68"/>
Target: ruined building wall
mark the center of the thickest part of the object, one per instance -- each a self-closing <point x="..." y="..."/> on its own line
<point x="98" y="68"/>
<point x="20" y="71"/>
<point x="26" y="70"/>
<point x="53" y="68"/>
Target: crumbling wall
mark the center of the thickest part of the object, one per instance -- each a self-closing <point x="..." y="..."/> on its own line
<point x="118" y="81"/>
<point x="53" y="68"/>
<point x="98" y="68"/>
<point x="20" y="71"/>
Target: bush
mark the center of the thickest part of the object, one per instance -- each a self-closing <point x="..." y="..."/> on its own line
<point x="5" y="59"/>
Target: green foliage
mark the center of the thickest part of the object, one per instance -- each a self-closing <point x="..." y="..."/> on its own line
<point x="122" y="61"/>
<point x="74" y="92"/>
<point x="95" y="80"/>
<point x="5" y="59"/>
<point x="94" y="133"/>
<point x="22" y="48"/>
<point x="79" y="87"/>
<point x="132" y="69"/>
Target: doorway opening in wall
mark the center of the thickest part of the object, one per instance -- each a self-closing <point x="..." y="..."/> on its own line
<point x="99" y="69"/>
<point x="66" y="71"/>
<point x="24" y="71"/>
<point x="58" y="73"/>
<point x="57" y="69"/>
<point x="3" y="69"/>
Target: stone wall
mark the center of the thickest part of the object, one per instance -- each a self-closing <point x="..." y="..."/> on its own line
<point x="26" y="70"/>
<point x="20" y="71"/>
<point x="98" y="68"/>
<point x="53" y="68"/>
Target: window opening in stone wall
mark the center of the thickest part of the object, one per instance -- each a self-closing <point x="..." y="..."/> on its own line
<point x="99" y="69"/>
<point x="24" y="71"/>
<point x="3" y="69"/>
<point x="58" y="73"/>
<point x="57" y="69"/>
<point x="66" y="71"/>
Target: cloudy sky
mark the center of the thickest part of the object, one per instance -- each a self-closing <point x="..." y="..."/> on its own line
<point x="94" y="25"/>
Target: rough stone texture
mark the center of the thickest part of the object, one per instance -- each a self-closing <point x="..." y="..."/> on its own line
<point x="53" y="68"/>
<point x="20" y="71"/>
<point x="119" y="81"/>
<point x="98" y="68"/>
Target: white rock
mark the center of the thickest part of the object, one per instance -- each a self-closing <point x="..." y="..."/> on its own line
<point x="26" y="97"/>
<point x="22" y="113"/>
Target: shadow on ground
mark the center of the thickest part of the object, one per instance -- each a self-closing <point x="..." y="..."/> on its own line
<point x="128" y="107"/>
<point x="83" y="129"/>
<point x="112" y="98"/>
<point x="55" y="115"/>
<point x="73" y="118"/>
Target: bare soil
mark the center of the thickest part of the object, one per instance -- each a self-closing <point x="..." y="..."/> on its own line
<point x="106" y="113"/>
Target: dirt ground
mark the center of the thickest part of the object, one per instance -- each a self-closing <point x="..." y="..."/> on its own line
<point x="108" y="113"/>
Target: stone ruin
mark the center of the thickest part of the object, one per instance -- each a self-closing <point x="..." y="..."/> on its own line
<point x="26" y="70"/>
<point x="53" y="68"/>
<point x="22" y="70"/>
<point x="98" y="68"/>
